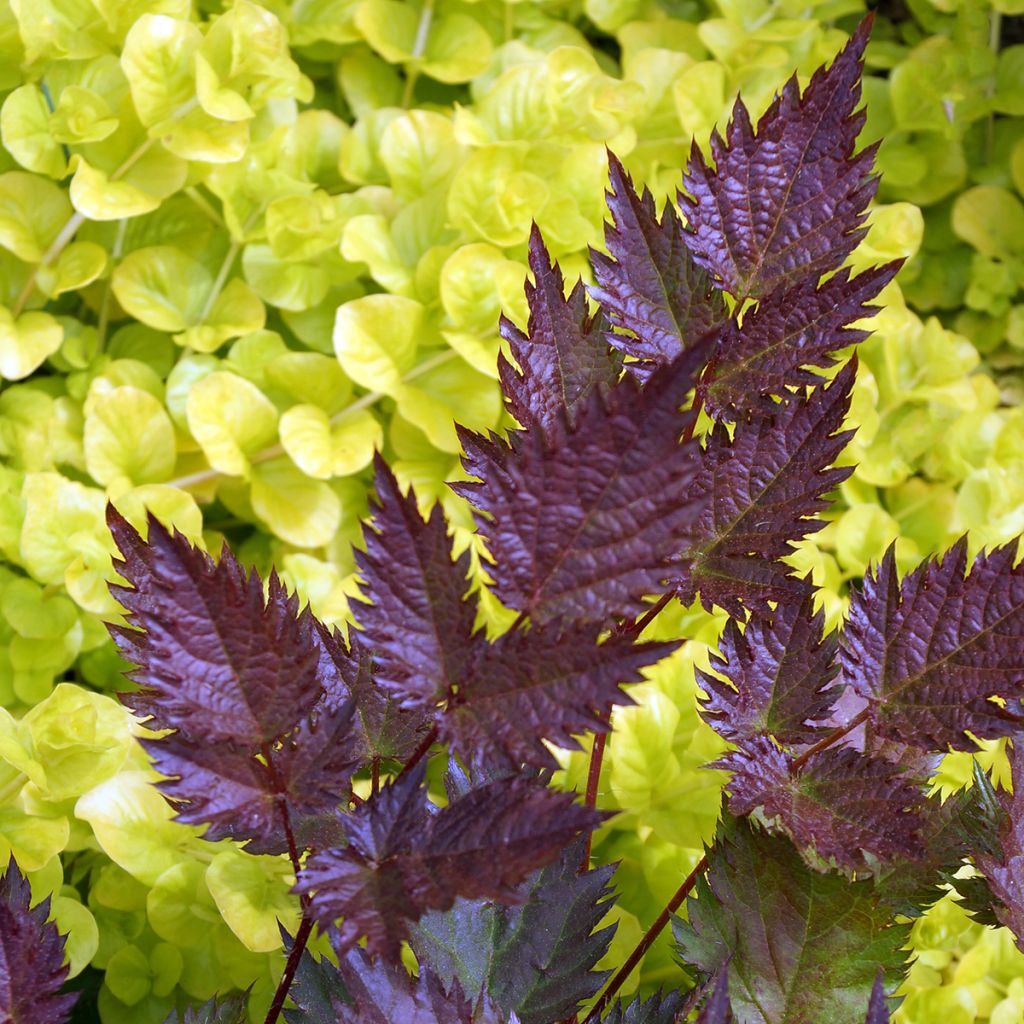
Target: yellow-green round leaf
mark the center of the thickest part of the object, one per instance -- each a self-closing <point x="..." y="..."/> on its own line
<point x="301" y="511"/>
<point x="83" y="935"/>
<point x="323" y="449"/>
<point x="26" y="343"/>
<point x="129" y="434"/>
<point x="991" y="219"/>
<point x="33" y="210"/>
<point x="236" y="311"/>
<point x="82" y="116"/>
<point x="291" y="286"/>
<point x="157" y="59"/>
<point x="300" y="227"/>
<point x="420" y="151"/>
<point x="78" y="265"/>
<point x="231" y="419"/>
<point x="25" y="132"/>
<point x="375" y="339"/>
<point x="252" y="897"/>
<point x="31" y="838"/>
<point x="139" y="188"/>
<point x="162" y="287"/>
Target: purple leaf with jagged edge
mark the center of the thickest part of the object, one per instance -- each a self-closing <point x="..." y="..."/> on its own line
<point x="564" y="357"/>
<point x="419" y="624"/>
<point x="795" y="327"/>
<point x="32" y="967"/>
<point x="582" y="523"/>
<point x="798" y="945"/>
<point x="763" y="484"/>
<point x="1003" y="867"/>
<point x="545" y="683"/>
<point x="717" y="1010"/>
<point x="216" y="659"/>
<point x="388" y="731"/>
<point x="840" y="808"/>
<point x="649" y="284"/>
<point x="878" y="1010"/>
<point x="932" y="654"/>
<point x="231" y="1009"/>
<point x="778" y="674"/>
<point x="384" y="993"/>
<point x="658" y="1009"/>
<point x="405" y="857"/>
<point x="787" y="202"/>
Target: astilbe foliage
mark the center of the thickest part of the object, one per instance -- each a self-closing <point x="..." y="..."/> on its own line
<point x="609" y="495"/>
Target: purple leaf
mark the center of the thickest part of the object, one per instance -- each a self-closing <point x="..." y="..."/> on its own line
<point x="930" y="654"/>
<point x="32" y="968"/>
<point x="794" y="327"/>
<point x="787" y="202"/>
<point x="878" y="1010"/>
<point x="582" y="523"/>
<point x="763" y="485"/>
<point x="650" y="285"/>
<point x="779" y="667"/>
<point x="840" y="808"/>
<point x="403" y="859"/>
<point x="546" y="683"/>
<point x="716" y="1010"/>
<point x="216" y="660"/>
<point x="565" y="355"/>
<point x="419" y="624"/>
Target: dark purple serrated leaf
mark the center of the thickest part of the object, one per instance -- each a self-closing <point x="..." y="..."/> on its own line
<point x="658" y="1009"/>
<point x="535" y="957"/>
<point x="798" y="945"/>
<point x="216" y="660"/>
<point x="930" y="654"/>
<point x="582" y="523"/>
<point x="1004" y="868"/>
<point x="230" y="1009"/>
<point x="32" y="967"/>
<point x="786" y="202"/>
<point x="403" y="860"/>
<point x="778" y="674"/>
<point x="546" y="683"/>
<point x="384" y="993"/>
<point x="564" y="356"/>
<point x="239" y="796"/>
<point x="388" y="731"/>
<point x="318" y="991"/>
<point x="649" y="284"/>
<point x="840" y="808"/>
<point x="763" y="484"/>
<point x="793" y="328"/>
<point x="419" y="624"/>
<point x="878" y="1009"/>
<point x="717" y="1010"/>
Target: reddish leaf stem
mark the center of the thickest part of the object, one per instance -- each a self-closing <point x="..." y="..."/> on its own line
<point x="292" y="965"/>
<point x="417" y="754"/>
<point x="593" y="779"/>
<point x="647" y="941"/>
<point x="834" y="736"/>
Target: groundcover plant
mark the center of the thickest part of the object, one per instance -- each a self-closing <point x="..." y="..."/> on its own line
<point x="608" y="503"/>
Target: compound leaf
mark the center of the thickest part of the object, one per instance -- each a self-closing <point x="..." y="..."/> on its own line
<point x="932" y="652"/>
<point x="564" y="356"/>
<point x="582" y="522"/>
<point x="778" y="672"/>
<point x="649" y="284"/>
<point x="786" y="202"/>
<point x="798" y="945"/>
<point x="32" y="967"/>
<point x="762" y="484"/>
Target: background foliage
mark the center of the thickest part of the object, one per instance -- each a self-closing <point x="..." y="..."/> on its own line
<point x="189" y="193"/>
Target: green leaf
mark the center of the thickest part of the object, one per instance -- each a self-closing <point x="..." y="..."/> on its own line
<point x="237" y="310"/>
<point x="83" y="935"/>
<point x="82" y="116"/>
<point x="375" y="339"/>
<point x="291" y="286"/>
<point x="301" y="511"/>
<point x="798" y="945"/>
<point x="253" y="898"/>
<point x="25" y="343"/>
<point x="420" y="151"/>
<point x="162" y="287"/>
<point x="302" y="226"/>
<point x="991" y="219"/>
<point x="32" y="212"/>
<point x="128" y="435"/>
<point x="157" y="59"/>
<point x="26" y="135"/>
<point x="231" y="419"/>
<point x="323" y="448"/>
<point x="78" y="265"/>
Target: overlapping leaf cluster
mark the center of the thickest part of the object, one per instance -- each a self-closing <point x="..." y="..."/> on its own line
<point x="608" y="498"/>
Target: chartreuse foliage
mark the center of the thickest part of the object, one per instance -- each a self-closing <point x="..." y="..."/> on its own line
<point x="189" y="192"/>
<point x="604" y="504"/>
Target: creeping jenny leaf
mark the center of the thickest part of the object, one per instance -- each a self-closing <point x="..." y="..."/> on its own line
<point x="787" y="202"/>
<point x="799" y="946"/>
<point x="32" y="967"/>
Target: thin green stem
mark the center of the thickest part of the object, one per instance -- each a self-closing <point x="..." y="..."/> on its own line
<point x="115" y="255"/>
